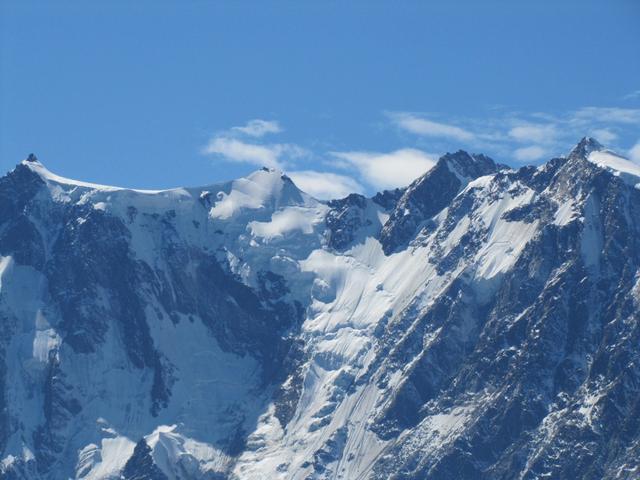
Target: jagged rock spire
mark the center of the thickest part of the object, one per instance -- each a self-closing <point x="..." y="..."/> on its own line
<point x="585" y="147"/>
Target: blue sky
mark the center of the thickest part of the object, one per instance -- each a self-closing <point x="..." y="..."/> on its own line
<point x="342" y="95"/>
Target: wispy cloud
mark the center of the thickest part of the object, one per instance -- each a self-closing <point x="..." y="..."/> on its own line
<point x="258" y="128"/>
<point x="538" y="133"/>
<point x="325" y="185"/>
<point x="606" y="115"/>
<point x="232" y="145"/>
<point x="422" y="126"/>
<point x="521" y="136"/>
<point x="513" y="137"/>
<point x="229" y="145"/>
<point x="632" y="95"/>
<point x="530" y="154"/>
<point x="269" y="155"/>
<point x="388" y="170"/>
<point x="604" y="135"/>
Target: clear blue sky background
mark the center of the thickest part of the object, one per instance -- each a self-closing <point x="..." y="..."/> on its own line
<point x="136" y="93"/>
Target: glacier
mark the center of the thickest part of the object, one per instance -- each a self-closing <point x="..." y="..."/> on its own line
<point x="481" y="323"/>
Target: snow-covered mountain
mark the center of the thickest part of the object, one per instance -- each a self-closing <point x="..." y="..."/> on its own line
<point x="482" y="323"/>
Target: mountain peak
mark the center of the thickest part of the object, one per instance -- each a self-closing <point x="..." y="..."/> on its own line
<point x="585" y="147"/>
<point x="32" y="162"/>
<point x="468" y="165"/>
<point x="460" y="155"/>
<point x="430" y="193"/>
<point x="266" y="172"/>
<point x="266" y="189"/>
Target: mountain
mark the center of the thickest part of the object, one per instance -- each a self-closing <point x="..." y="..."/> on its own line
<point x="481" y="323"/>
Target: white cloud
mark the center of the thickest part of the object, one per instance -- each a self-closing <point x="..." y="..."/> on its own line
<point x="271" y="155"/>
<point x="538" y="133"/>
<point x="259" y="128"/>
<point x="606" y="115"/>
<point x="389" y="170"/>
<point x="634" y="152"/>
<point x="525" y="137"/>
<point x="603" y="135"/>
<point x="632" y="95"/>
<point x="530" y="154"/>
<point x="422" y="126"/>
<point x="325" y="185"/>
<point x="529" y="136"/>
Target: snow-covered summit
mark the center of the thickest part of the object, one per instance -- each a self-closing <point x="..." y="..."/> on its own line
<point x="263" y="192"/>
<point x="36" y="166"/>
<point x="264" y="189"/>
<point x="590" y="149"/>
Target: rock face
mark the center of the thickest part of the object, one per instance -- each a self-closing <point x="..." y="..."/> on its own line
<point x="430" y="194"/>
<point x="141" y="465"/>
<point x="482" y="323"/>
